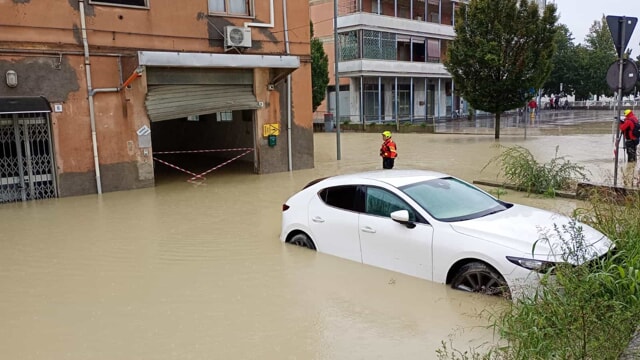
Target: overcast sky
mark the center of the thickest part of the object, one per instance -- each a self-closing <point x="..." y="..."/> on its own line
<point x="578" y="15"/>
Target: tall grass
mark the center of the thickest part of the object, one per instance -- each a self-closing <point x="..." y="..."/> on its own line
<point x="519" y="167"/>
<point x="584" y="312"/>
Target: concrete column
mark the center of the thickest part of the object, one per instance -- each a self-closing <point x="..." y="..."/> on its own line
<point x="268" y="114"/>
<point x="354" y="99"/>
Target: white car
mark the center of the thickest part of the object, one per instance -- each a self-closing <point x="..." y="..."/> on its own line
<point x="433" y="226"/>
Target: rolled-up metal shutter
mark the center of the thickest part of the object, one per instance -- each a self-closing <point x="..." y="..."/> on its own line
<point x="166" y="102"/>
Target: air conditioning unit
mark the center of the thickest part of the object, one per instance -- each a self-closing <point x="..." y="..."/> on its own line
<point x="236" y="36"/>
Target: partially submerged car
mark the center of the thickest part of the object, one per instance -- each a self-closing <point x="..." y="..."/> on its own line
<point x="432" y="226"/>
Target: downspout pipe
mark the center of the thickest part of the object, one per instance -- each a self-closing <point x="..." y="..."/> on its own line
<point x="92" y="115"/>
<point x="263" y="25"/>
<point x="287" y="51"/>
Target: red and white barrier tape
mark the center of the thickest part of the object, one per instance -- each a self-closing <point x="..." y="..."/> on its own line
<point x="200" y="151"/>
<point x="200" y="176"/>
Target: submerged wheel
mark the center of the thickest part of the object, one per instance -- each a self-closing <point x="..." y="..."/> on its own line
<point x="479" y="278"/>
<point x="302" y="239"/>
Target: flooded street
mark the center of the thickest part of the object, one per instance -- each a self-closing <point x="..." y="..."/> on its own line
<point x="181" y="271"/>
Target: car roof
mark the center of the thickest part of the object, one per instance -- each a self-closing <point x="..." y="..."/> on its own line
<point x="396" y="178"/>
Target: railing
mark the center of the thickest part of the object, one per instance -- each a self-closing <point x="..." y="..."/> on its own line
<point x="402" y="9"/>
<point x="591" y="104"/>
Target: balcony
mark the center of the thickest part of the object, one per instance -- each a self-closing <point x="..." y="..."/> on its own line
<point x="439" y="12"/>
<point x="368" y="67"/>
<point x="393" y="24"/>
<point x="419" y="53"/>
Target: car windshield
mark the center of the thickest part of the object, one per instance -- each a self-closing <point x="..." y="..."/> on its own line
<point x="449" y="199"/>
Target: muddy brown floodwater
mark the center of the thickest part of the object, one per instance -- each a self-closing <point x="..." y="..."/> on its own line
<point x="197" y="272"/>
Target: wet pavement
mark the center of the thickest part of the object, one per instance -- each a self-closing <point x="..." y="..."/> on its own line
<point x="181" y="271"/>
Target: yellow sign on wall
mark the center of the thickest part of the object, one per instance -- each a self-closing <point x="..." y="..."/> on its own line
<point x="271" y="129"/>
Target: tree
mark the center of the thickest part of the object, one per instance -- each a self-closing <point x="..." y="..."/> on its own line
<point x="581" y="87"/>
<point x="502" y="49"/>
<point x="601" y="53"/>
<point x="319" y="71"/>
<point x="565" y="61"/>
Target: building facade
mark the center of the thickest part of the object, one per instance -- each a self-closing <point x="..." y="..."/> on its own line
<point x="391" y="56"/>
<point x="96" y="95"/>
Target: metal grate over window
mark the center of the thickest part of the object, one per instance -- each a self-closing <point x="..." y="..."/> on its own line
<point x="26" y="158"/>
<point x="348" y="45"/>
<point x="379" y="45"/>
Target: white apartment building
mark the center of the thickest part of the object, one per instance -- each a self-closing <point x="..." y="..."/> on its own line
<point x="390" y="58"/>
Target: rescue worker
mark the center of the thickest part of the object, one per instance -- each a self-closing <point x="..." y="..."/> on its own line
<point x="388" y="150"/>
<point x="626" y="128"/>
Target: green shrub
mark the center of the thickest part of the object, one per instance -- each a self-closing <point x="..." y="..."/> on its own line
<point x="519" y="167"/>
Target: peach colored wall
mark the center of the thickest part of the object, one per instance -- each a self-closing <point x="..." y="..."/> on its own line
<point x="38" y="23"/>
<point x="322" y="17"/>
<point x="36" y="28"/>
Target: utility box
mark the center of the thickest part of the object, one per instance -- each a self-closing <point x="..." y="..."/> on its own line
<point x="272" y="140"/>
<point x="328" y="122"/>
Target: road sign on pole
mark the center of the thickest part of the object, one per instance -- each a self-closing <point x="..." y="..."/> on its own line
<point x="621" y="28"/>
<point x="620" y="37"/>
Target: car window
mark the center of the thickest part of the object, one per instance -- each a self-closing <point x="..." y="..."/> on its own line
<point x="450" y="199"/>
<point x="343" y="197"/>
<point x="382" y="203"/>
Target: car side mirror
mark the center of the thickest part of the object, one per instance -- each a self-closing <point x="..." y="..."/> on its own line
<point x="402" y="217"/>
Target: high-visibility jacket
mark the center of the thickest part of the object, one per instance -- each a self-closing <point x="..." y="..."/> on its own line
<point x="626" y="127"/>
<point x="388" y="149"/>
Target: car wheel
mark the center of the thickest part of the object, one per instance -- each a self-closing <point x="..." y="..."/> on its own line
<point x="302" y="239"/>
<point x="479" y="278"/>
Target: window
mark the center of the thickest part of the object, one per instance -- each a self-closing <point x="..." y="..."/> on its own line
<point x="139" y="3"/>
<point x="343" y="197"/>
<point x="372" y="110"/>
<point x="402" y="100"/>
<point x="348" y="45"/>
<point x="224" y="116"/>
<point x="379" y="45"/>
<point x="433" y="50"/>
<point x="450" y="199"/>
<point x="231" y="7"/>
<point x="381" y="202"/>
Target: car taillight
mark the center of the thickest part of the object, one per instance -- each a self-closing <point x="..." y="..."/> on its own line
<point x="285" y="207"/>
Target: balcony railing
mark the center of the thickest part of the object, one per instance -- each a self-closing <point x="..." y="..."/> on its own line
<point x="377" y="45"/>
<point x="433" y="11"/>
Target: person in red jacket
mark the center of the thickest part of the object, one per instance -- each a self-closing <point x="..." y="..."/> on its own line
<point x="388" y="150"/>
<point x="533" y="105"/>
<point x="626" y="128"/>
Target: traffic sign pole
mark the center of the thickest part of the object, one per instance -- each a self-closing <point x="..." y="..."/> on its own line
<point x="621" y="28"/>
<point x="621" y="22"/>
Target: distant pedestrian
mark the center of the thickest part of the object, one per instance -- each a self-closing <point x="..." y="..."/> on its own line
<point x="533" y="105"/>
<point x="627" y="124"/>
<point x="551" y="106"/>
<point x="388" y="150"/>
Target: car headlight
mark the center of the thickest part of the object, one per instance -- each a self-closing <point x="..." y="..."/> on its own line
<point x="533" y="264"/>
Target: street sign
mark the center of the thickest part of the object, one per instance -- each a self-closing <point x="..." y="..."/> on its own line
<point x="619" y="25"/>
<point x="629" y="75"/>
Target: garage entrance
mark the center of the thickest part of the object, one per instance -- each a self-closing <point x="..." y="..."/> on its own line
<point x="27" y="170"/>
<point x="201" y="120"/>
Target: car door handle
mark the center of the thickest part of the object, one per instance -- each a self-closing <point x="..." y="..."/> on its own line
<point x="368" y="230"/>
<point x="318" y="219"/>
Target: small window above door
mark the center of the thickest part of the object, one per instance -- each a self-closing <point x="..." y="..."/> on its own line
<point x="132" y="3"/>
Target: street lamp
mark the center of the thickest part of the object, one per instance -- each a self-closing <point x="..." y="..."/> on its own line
<point x="337" y="77"/>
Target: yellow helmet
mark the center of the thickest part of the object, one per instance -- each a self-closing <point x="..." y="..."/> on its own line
<point x="626" y="112"/>
<point x="386" y="133"/>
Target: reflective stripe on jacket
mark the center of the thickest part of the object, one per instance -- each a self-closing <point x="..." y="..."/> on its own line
<point x="388" y="149"/>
